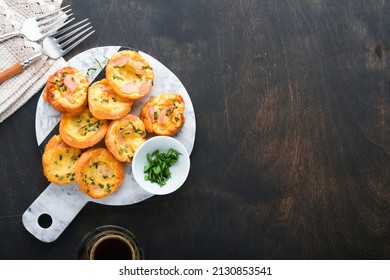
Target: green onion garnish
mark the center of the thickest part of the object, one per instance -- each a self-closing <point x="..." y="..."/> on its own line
<point x="157" y="169"/>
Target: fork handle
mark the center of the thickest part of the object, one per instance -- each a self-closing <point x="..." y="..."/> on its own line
<point x="9" y="35"/>
<point x="14" y="69"/>
<point x="17" y="68"/>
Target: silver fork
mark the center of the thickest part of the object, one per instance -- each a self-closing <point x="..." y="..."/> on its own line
<point x="54" y="46"/>
<point x="36" y="28"/>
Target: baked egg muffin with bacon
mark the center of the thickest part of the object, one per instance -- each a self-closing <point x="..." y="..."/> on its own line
<point x="59" y="161"/>
<point x="99" y="173"/>
<point x="104" y="103"/>
<point x="82" y="130"/>
<point x="164" y="114"/>
<point x="124" y="136"/>
<point x="66" y="90"/>
<point x="129" y="74"/>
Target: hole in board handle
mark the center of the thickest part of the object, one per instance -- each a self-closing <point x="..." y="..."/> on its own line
<point x="45" y="220"/>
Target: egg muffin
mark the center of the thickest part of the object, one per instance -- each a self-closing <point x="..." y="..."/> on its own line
<point x="124" y="136"/>
<point x="99" y="173"/>
<point x="129" y="74"/>
<point x="66" y="90"/>
<point x="164" y="114"/>
<point x="59" y="161"/>
<point x="82" y="130"/>
<point x="105" y="104"/>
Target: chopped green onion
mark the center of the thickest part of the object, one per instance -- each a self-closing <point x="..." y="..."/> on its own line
<point x="157" y="169"/>
<point x="90" y="69"/>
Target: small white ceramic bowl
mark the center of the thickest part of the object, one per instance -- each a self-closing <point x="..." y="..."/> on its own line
<point x="179" y="171"/>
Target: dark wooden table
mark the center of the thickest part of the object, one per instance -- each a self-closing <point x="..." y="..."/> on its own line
<point x="292" y="150"/>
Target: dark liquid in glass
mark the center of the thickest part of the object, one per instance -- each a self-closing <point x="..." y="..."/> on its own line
<point x="112" y="248"/>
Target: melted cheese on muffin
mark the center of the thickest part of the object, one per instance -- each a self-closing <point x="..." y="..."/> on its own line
<point x="66" y="90"/>
<point x="83" y="130"/>
<point x="59" y="161"/>
<point x="163" y="114"/>
<point x="129" y="74"/>
<point x="124" y="136"/>
<point x="99" y="173"/>
<point x="105" y="104"/>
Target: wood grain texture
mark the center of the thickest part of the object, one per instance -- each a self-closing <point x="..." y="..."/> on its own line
<point x="291" y="158"/>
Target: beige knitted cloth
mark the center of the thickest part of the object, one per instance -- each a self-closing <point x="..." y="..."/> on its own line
<point x="18" y="90"/>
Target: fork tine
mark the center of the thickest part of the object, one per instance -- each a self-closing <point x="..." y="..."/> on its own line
<point x="54" y="30"/>
<point x="69" y="48"/>
<point x="58" y="18"/>
<point x="63" y="43"/>
<point x="71" y="33"/>
<point x="66" y="29"/>
<point x="51" y="13"/>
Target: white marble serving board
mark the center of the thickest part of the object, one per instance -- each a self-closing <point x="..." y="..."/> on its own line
<point x="63" y="202"/>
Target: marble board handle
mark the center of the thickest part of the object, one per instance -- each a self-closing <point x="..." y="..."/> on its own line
<point x="58" y="205"/>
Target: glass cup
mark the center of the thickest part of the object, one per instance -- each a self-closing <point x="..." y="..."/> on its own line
<point x="110" y="243"/>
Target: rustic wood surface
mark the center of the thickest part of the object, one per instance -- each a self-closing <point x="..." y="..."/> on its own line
<point x="292" y="150"/>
